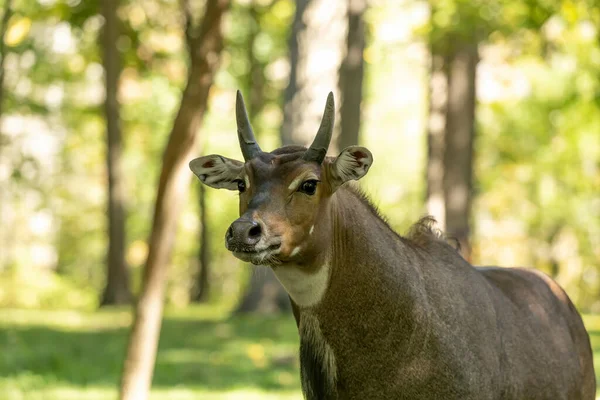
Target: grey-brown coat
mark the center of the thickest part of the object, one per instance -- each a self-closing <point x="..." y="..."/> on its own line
<point x="382" y="316"/>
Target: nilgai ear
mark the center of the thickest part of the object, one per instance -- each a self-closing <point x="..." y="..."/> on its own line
<point x="217" y="171"/>
<point x="352" y="164"/>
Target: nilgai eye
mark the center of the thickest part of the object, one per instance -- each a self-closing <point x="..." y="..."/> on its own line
<point x="309" y="187"/>
<point x="241" y="186"/>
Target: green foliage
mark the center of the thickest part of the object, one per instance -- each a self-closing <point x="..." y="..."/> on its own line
<point x="539" y="158"/>
<point x="537" y="150"/>
<point x="54" y="74"/>
<point x="456" y="21"/>
<point x="43" y="290"/>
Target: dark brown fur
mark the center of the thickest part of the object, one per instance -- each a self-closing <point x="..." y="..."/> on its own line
<point x="408" y="318"/>
<point x="404" y="317"/>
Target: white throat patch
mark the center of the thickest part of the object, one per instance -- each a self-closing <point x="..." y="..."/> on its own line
<point x="304" y="288"/>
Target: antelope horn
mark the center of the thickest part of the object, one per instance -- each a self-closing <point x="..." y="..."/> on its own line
<point x="318" y="148"/>
<point x="250" y="148"/>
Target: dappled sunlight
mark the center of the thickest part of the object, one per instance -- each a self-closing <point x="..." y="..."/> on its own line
<point x="94" y="392"/>
<point x="56" y="355"/>
<point x="240" y="394"/>
<point x="66" y="320"/>
<point x="536" y="114"/>
<point x="533" y="200"/>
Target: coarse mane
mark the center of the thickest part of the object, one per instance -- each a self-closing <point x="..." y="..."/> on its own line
<point x="360" y="195"/>
<point x="420" y="234"/>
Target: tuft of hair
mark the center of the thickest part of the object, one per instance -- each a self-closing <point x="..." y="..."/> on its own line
<point x="289" y="149"/>
<point x="425" y="231"/>
<point x="285" y="154"/>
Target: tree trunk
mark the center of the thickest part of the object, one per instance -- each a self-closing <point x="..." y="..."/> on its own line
<point x="460" y="132"/>
<point x="117" y="278"/>
<point x="264" y="294"/>
<point x="298" y="26"/>
<point x="438" y="98"/>
<point x="316" y="45"/>
<point x="202" y="283"/>
<point x="256" y="75"/>
<point x="351" y="75"/>
<point x="205" y="49"/>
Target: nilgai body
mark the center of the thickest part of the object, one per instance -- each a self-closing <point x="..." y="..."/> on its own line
<point x="382" y="316"/>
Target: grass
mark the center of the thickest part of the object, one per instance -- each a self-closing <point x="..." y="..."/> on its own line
<point x="65" y="355"/>
<point x="70" y="355"/>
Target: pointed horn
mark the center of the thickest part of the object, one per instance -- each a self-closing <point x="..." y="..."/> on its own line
<point x="250" y="148"/>
<point x="318" y="148"/>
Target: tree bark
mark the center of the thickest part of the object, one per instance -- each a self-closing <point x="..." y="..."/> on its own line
<point x="351" y="75"/>
<point x="264" y="294"/>
<point x="436" y="131"/>
<point x="117" y="278"/>
<point x="205" y="49"/>
<point x="298" y="26"/>
<point x="202" y="283"/>
<point x="316" y="45"/>
<point x="460" y="133"/>
<point x="256" y="75"/>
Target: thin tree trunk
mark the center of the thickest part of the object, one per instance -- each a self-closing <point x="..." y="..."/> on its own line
<point x="264" y="294"/>
<point x="205" y="50"/>
<point x="298" y="26"/>
<point x="351" y="75"/>
<point x="117" y="279"/>
<point x="202" y="283"/>
<point x="316" y="45"/>
<point x="460" y="133"/>
<point x="438" y="98"/>
<point x="256" y="76"/>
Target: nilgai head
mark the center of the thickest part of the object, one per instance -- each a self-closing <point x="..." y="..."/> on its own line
<point x="284" y="194"/>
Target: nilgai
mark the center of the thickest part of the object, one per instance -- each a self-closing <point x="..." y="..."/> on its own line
<point x="384" y="316"/>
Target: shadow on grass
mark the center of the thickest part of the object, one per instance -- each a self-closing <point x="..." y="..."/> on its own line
<point x="215" y="355"/>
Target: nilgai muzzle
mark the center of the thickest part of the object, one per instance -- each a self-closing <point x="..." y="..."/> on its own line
<point x="382" y="316"/>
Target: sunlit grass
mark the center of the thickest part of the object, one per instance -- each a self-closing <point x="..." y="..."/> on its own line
<point x="64" y="355"/>
<point x="202" y="354"/>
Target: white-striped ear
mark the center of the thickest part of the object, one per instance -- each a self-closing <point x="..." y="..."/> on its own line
<point x="217" y="171"/>
<point x="352" y="164"/>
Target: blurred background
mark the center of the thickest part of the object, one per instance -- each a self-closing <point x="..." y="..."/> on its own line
<point x="485" y="114"/>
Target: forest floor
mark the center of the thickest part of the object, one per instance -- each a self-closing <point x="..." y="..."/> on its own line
<point x="70" y="355"/>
